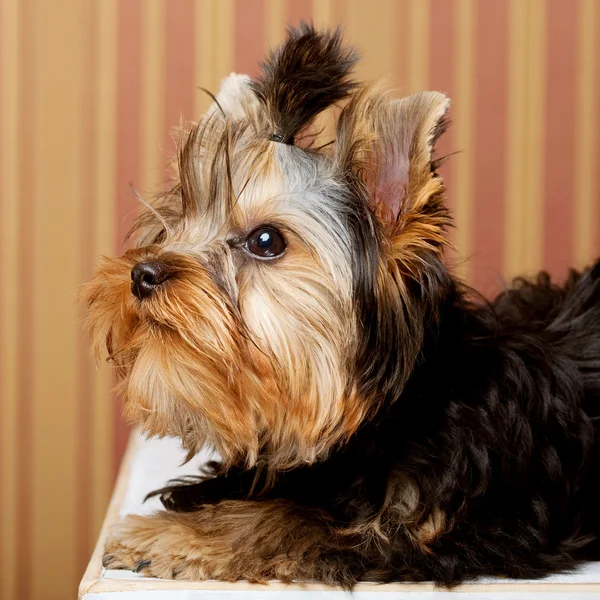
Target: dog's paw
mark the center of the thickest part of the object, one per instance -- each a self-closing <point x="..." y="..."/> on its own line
<point x="156" y="546"/>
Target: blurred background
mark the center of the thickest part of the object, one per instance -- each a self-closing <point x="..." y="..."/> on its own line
<point x="89" y="90"/>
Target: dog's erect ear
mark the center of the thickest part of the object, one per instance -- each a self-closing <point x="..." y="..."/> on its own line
<point x="308" y="73"/>
<point x="388" y="145"/>
<point x="384" y="150"/>
<point x="235" y="99"/>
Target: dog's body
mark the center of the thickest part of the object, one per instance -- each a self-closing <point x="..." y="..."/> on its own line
<point x="375" y="420"/>
<point x="499" y="427"/>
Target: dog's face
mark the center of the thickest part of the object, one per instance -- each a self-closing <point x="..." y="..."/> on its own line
<point x="275" y="297"/>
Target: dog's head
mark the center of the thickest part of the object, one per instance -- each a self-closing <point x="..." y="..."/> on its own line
<point x="277" y="295"/>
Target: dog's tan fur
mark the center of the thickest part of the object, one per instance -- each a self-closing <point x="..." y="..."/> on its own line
<point x="221" y="542"/>
<point x="257" y="358"/>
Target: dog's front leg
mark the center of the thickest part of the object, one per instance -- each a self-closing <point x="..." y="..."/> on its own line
<point x="233" y="540"/>
<point x="189" y="495"/>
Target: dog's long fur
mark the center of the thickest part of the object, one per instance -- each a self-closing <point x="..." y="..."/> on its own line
<point x="375" y="419"/>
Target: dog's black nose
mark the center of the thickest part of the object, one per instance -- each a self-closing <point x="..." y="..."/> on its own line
<point x="146" y="277"/>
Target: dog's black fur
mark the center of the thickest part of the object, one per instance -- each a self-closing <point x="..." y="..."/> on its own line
<point x="498" y="425"/>
<point x="479" y="458"/>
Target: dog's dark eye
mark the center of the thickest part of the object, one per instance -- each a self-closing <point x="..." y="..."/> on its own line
<point x="265" y="242"/>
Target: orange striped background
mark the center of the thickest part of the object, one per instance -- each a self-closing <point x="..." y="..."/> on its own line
<point x="88" y="92"/>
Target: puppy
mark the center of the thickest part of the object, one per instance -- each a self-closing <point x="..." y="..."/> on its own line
<point x="288" y="305"/>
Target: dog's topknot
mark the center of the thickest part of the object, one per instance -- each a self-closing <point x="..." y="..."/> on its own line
<point x="304" y="76"/>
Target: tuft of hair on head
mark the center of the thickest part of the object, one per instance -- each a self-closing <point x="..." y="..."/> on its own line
<point x="308" y="73"/>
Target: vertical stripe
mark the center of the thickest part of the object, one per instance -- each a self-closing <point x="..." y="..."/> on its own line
<point x="58" y="112"/>
<point x="127" y="147"/>
<point x="3" y="268"/>
<point x="418" y="35"/>
<point x="152" y="101"/>
<point x="400" y="57"/>
<point x="128" y="101"/>
<point x="346" y="12"/>
<point x="276" y="22"/>
<point x="516" y="196"/>
<point x="323" y="14"/>
<point x="441" y="51"/>
<point x="373" y="33"/>
<point x="105" y="243"/>
<point x="249" y="35"/>
<point x="26" y="361"/>
<point x="596" y="231"/>
<point x="441" y="78"/>
<point x="204" y="63"/>
<point x="586" y="129"/>
<point x="299" y="10"/>
<point x="10" y="119"/>
<point x="559" y="164"/>
<point x="87" y="148"/>
<point x="490" y="124"/>
<point x="179" y="50"/>
<point x="535" y="140"/>
<point x="224" y="25"/>
<point x="339" y="10"/>
<point x="463" y="164"/>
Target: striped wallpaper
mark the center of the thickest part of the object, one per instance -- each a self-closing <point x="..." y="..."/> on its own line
<point x="89" y="90"/>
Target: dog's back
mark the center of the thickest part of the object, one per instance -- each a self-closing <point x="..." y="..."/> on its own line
<point x="566" y="317"/>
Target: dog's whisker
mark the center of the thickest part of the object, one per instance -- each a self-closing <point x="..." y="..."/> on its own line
<point x="160" y="218"/>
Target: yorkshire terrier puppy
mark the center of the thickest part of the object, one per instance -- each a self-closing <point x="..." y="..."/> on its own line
<point x="288" y="305"/>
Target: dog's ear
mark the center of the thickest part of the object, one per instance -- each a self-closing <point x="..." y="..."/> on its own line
<point x="384" y="149"/>
<point x="235" y="100"/>
<point x="308" y="73"/>
<point x="388" y="146"/>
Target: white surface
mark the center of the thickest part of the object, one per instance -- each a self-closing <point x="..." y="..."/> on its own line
<point x="157" y="461"/>
<point x="298" y="595"/>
